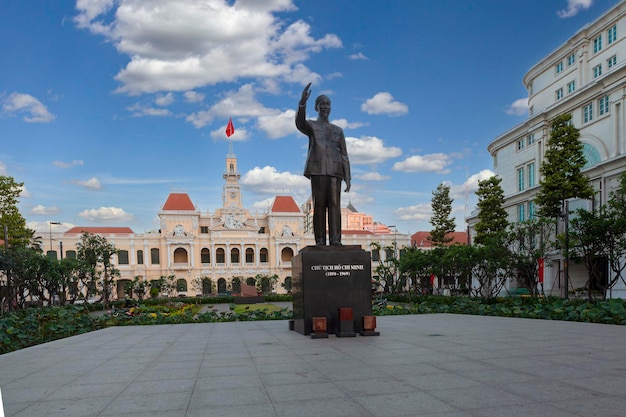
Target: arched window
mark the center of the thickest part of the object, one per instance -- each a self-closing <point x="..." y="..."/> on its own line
<point x="251" y="281"/>
<point x="287" y="284"/>
<point x="220" y="256"/>
<point x="263" y="255"/>
<point x="221" y="286"/>
<point x="122" y="257"/>
<point x="592" y="155"/>
<point x="207" y="286"/>
<point x="205" y="256"/>
<point x="286" y="254"/>
<point x="181" y="285"/>
<point x="235" y="284"/>
<point x="180" y="256"/>
<point x="154" y="256"/>
<point x="249" y="256"/>
<point x="70" y="254"/>
<point x="139" y="257"/>
<point x="234" y="256"/>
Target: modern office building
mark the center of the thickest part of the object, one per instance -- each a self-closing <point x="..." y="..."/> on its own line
<point x="586" y="78"/>
<point x="210" y="252"/>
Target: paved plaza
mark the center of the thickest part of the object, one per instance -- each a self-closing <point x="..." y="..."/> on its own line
<point x="421" y="365"/>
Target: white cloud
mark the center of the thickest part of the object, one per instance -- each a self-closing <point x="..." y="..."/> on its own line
<point x="66" y="165"/>
<point x="278" y="125"/>
<point x="164" y="99"/>
<point x="358" y="56"/>
<point x="369" y="150"/>
<point x="42" y="210"/>
<point x="139" y="110"/>
<point x="434" y="162"/>
<point x="240" y="103"/>
<point x="92" y="183"/>
<point x="470" y="185"/>
<point x="34" y="110"/>
<point x="344" y="124"/>
<point x="573" y="7"/>
<point x="419" y="212"/>
<point x="106" y="214"/>
<point x="25" y="193"/>
<point x="267" y="180"/>
<point x="193" y="96"/>
<point x="174" y="45"/>
<point x="383" y="103"/>
<point x="3" y="168"/>
<point x="518" y="108"/>
<point x="373" y="176"/>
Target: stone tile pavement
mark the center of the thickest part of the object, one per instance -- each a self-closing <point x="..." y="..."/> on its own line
<point x="421" y="365"/>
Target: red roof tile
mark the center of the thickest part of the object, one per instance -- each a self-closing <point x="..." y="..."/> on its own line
<point x="99" y="230"/>
<point x="178" y="201"/>
<point x="284" y="204"/>
<point x="420" y="239"/>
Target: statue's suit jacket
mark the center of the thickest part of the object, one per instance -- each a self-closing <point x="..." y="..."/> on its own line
<point x="327" y="147"/>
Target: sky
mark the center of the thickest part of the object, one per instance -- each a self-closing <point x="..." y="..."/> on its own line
<point x="108" y="106"/>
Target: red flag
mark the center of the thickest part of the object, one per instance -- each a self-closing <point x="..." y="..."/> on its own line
<point x="230" y="129"/>
<point x="541" y="265"/>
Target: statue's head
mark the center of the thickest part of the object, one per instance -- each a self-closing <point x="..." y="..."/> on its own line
<point x="322" y="103"/>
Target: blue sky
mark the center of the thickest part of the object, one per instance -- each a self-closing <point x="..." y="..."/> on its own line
<point x="107" y="106"/>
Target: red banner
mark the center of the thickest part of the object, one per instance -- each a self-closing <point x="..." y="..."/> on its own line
<point x="541" y="265"/>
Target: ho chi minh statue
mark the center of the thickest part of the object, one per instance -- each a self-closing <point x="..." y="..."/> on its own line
<point x="326" y="166"/>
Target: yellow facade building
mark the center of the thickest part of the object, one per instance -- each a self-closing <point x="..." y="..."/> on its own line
<point x="208" y="253"/>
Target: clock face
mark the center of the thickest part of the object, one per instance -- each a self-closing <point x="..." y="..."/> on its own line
<point x="233" y="195"/>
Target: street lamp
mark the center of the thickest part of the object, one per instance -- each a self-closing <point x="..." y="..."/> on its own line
<point x="50" y="224"/>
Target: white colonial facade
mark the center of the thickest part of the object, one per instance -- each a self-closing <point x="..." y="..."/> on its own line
<point x="208" y="252"/>
<point x="585" y="77"/>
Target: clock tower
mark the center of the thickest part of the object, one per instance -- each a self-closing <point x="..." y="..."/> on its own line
<point x="231" y="196"/>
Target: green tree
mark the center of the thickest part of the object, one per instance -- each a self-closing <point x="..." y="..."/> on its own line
<point x="561" y="170"/>
<point x="528" y="242"/>
<point x="492" y="218"/>
<point x="95" y="253"/>
<point x="443" y="224"/>
<point x="10" y="218"/>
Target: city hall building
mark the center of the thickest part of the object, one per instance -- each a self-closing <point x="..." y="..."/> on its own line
<point x="210" y="253"/>
<point x="586" y="78"/>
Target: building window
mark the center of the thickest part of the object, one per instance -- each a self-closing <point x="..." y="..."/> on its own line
<point x="588" y="113"/>
<point x="597" y="44"/>
<point x="122" y="257"/>
<point x="70" y="254"/>
<point x="204" y="229"/>
<point x="559" y="67"/>
<point x="571" y="86"/>
<point x="531" y="174"/>
<point x="375" y="255"/>
<point x="611" y="34"/>
<point x="521" y="215"/>
<point x="611" y="62"/>
<point x="140" y="257"/>
<point x="603" y="105"/>
<point x="559" y="94"/>
<point x="597" y="71"/>
<point x="263" y="255"/>
<point x="530" y="139"/>
<point x="520" y="144"/>
<point x="220" y="256"/>
<point x="520" y="179"/>
<point x="531" y="210"/>
<point x="249" y="255"/>
<point x="154" y="256"/>
<point x="205" y="256"/>
<point x="234" y="256"/>
<point x="571" y="60"/>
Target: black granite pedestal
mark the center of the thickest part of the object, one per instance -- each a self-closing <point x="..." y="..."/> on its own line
<point x="327" y="278"/>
